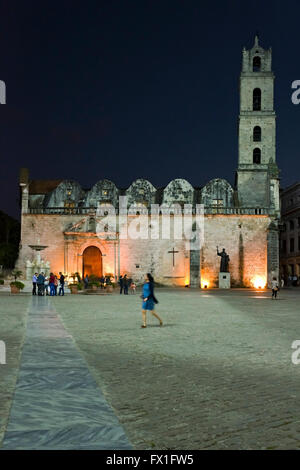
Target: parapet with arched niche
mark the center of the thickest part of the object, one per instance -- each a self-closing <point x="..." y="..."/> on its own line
<point x="104" y="192"/>
<point x="67" y="194"/>
<point x="217" y="193"/>
<point x="140" y="193"/>
<point x="178" y="191"/>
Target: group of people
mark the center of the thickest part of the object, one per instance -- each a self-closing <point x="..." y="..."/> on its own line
<point x="292" y="280"/>
<point x="48" y="285"/>
<point x="41" y="285"/>
<point x="125" y="283"/>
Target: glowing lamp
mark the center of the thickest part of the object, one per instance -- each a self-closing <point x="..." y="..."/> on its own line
<point x="204" y="284"/>
<point x="259" y="282"/>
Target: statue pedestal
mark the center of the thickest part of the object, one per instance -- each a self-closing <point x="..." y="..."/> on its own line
<point x="224" y="280"/>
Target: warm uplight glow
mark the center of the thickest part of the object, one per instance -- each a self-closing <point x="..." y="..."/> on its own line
<point x="259" y="282"/>
<point x="204" y="284"/>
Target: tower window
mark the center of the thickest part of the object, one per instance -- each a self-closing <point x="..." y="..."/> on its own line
<point x="256" y="64"/>
<point x="257" y="134"/>
<point x="292" y="226"/>
<point x="292" y="245"/>
<point x="256" y="156"/>
<point x="257" y="99"/>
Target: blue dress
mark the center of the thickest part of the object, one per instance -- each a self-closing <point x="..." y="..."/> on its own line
<point x="149" y="304"/>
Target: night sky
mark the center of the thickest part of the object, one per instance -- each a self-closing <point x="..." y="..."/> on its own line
<point x="127" y="89"/>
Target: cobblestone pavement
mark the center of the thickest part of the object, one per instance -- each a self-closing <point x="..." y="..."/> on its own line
<point x="217" y="375"/>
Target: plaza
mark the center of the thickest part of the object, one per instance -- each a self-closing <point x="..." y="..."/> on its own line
<point x="218" y="374"/>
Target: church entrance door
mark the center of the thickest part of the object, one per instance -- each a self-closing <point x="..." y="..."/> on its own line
<point x="92" y="262"/>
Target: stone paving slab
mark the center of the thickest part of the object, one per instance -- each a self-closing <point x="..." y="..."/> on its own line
<point x="57" y="403"/>
<point x="13" y="316"/>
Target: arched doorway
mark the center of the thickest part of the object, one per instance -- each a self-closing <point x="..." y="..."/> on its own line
<point x="92" y="262"/>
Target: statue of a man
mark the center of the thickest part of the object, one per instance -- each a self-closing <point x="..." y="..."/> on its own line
<point x="224" y="260"/>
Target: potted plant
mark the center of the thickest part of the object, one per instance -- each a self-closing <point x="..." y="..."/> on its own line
<point x="94" y="282"/>
<point x="1" y="282"/>
<point x="16" y="286"/>
<point x="94" y="285"/>
<point x="73" y="288"/>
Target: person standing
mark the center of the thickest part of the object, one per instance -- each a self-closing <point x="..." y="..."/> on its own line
<point x="34" y="281"/>
<point x="125" y="284"/>
<point x="51" y="284"/>
<point x="121" y="283"/>
<point x="149" y="300"/>
<point x="132" y="287"/>
<point x="46" y="284"/>
<point x="86" y="281"/>
<point x="40" y="283"/>
<point x="274" y="285"/>
<point x="61" y="284"/>
<point x="55" y="285"/>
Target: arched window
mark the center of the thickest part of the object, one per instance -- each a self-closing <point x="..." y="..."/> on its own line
<point x="257" y="134"/>
<point x="256" y="156"/>
<point x="256" y="64"/>
<point x="256" y="99"/>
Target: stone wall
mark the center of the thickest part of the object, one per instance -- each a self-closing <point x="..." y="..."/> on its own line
<point x="244" y="237"/>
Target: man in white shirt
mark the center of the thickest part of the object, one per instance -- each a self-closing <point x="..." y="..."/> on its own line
<point x="34" y="280"/>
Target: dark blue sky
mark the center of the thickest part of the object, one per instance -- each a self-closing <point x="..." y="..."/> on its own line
<point x="128" y="89"/>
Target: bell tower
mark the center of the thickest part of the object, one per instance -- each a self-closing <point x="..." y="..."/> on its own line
<point x="257" y="174"/>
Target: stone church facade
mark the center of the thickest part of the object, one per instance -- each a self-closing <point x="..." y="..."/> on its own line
<point x="64" y="220"/>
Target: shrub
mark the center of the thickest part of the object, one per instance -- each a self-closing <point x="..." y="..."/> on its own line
<point x="18" y="284"/>
<point x="94" y="283"/>
<point x="1" y="282"/>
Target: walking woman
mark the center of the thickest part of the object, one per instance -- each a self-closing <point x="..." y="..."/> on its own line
<point x="149" y="300"/>
<point x="275" y="287"/>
